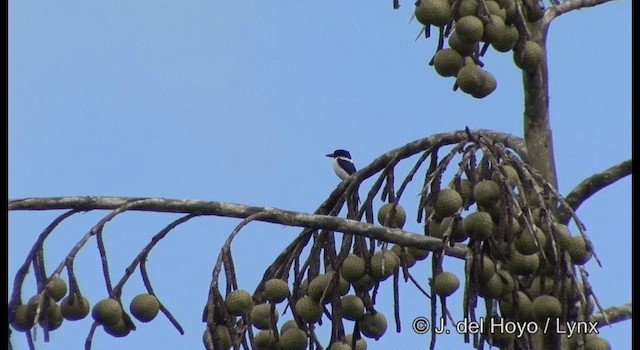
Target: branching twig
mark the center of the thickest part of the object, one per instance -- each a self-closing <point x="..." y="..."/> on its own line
<point x="273" y="215"/>
<point x="614" y="314"/>
<point x="213" y="288"/>
<point x="165" y="311"/>
<point x="141" y="259"/>
<point x="591" y="185"/>
<point x="566" y="6"/>
<point x="24" y="269"/>
<point x="87" y="342"/>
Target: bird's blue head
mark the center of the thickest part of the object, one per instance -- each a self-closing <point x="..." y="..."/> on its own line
<point x="340" y="153"/>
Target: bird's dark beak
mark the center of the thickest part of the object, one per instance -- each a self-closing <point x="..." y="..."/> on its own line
<point x="330" y="155"/>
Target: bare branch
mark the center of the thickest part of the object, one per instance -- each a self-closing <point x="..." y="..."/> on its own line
<point x="566" y="6"/>
<point x="614" y="314"/>
<point x="593" y="184"/>
<point x="24" y="269"/>
<point x="272" y="215"/>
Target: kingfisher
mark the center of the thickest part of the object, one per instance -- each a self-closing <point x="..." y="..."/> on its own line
<point x="342" y="163"/>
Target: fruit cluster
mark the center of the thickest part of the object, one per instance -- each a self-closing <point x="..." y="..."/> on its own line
<point x="345" y="286"/>
<point x="471" y="27"/>
<point x="107" y="312"/>
<point x="519" y="255"/>
<point x="520" y="259"/>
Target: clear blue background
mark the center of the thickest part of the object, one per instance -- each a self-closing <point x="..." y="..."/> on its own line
<point x="239" y="101"/>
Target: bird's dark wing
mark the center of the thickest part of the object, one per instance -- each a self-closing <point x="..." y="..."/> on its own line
<point x="346" y="165"/>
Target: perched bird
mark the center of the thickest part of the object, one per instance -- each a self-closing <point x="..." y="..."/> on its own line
<point x="342" y="163"/>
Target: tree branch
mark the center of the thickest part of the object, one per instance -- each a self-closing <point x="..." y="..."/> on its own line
<point x="537" y="125"/>
<point x="593" y="184"/>
<point x="614" y="314"/>
<point x="272" y="215"/>
<point x="566" y="6"/>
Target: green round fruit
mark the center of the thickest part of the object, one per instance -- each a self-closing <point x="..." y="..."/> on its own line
<point x="433" y="12"/>
<point x="463" y="48"/>
<point x="276" y="290"/>
<point x="518" y="309"/>
<point x="53" y="319"/>
<point x="361" y="344"/>
<point x="343" y="286"/>
<point x="486" y="193"/>
<point x="515" y="228"/>
<point x="223" y="337"/>
<point x="373" y="325"/>
<point x="447" y="62"/>
<point x="57" y="288"/>
<point x="445" y="284"/>
<point x="594" y="342"/>
<point x="529" y="56"/>
<point x="418" y="253"/>
<point x="500" y="284"/>
<point x="534" y="12"/>
<point x="118" y="330"/>
<point x="74" y="307"/>
<point x="303" y="289"/>
<point x="365" y="283"/>
<point x="308" y="310"/>
<point x="546" y="306"/>
<point x="512" y="175"/>
<point x="107" y="312"/>
<point x="398" y="215"/>
<point x="470" y="79"/>
<point x="207" y="340"/>
<point x="144" y="307"/>
<point x="510" y="11"/>
<point x="509" y="282"/>
<point x="448" y="202"/>
<point x="527" y="244"/>
<point x="266" y="340"/>
<point x="469" y="29"/>
<point x="467" y="8"/>
<point x="492" y="288"/>
<point x="352" y="307"/>
<point x="288" y="325"/>
<point x="478" y="225"/>
<point x="495" y="211"/>
<point x="536" y="214"/>
<point x="321" y="287"/>
<point x="520" y="264"/>
<point x="579" y="251"/>
<point x="487" y="269"/>
<point x="434" y="228"/>
<point x="494" y="30"/>
<point x="540" y="286"/>
<point x="383" y="264"/>
<point x="405" y="258"/>
<point x="293" y="339"/>
<point x="494" y="335"/>
<point x="22" y="319"/>
<point x="562" y="235"/>
<point x="466" y="191"/>
<point x="505" y="3"/>
<point x="496" y="10"/>
<point x="489" y="85"/>
<point x="239" y="302"/>
<point x="458" y="234"/>
<point x="508" y="39"/>
<point x="34" y="302"/>
<point x="352" y="268"/>
<point x="261" y="316"/>
<point x="339" y="346"/>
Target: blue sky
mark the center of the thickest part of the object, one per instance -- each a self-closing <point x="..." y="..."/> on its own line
<point x="239" y="101"/>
